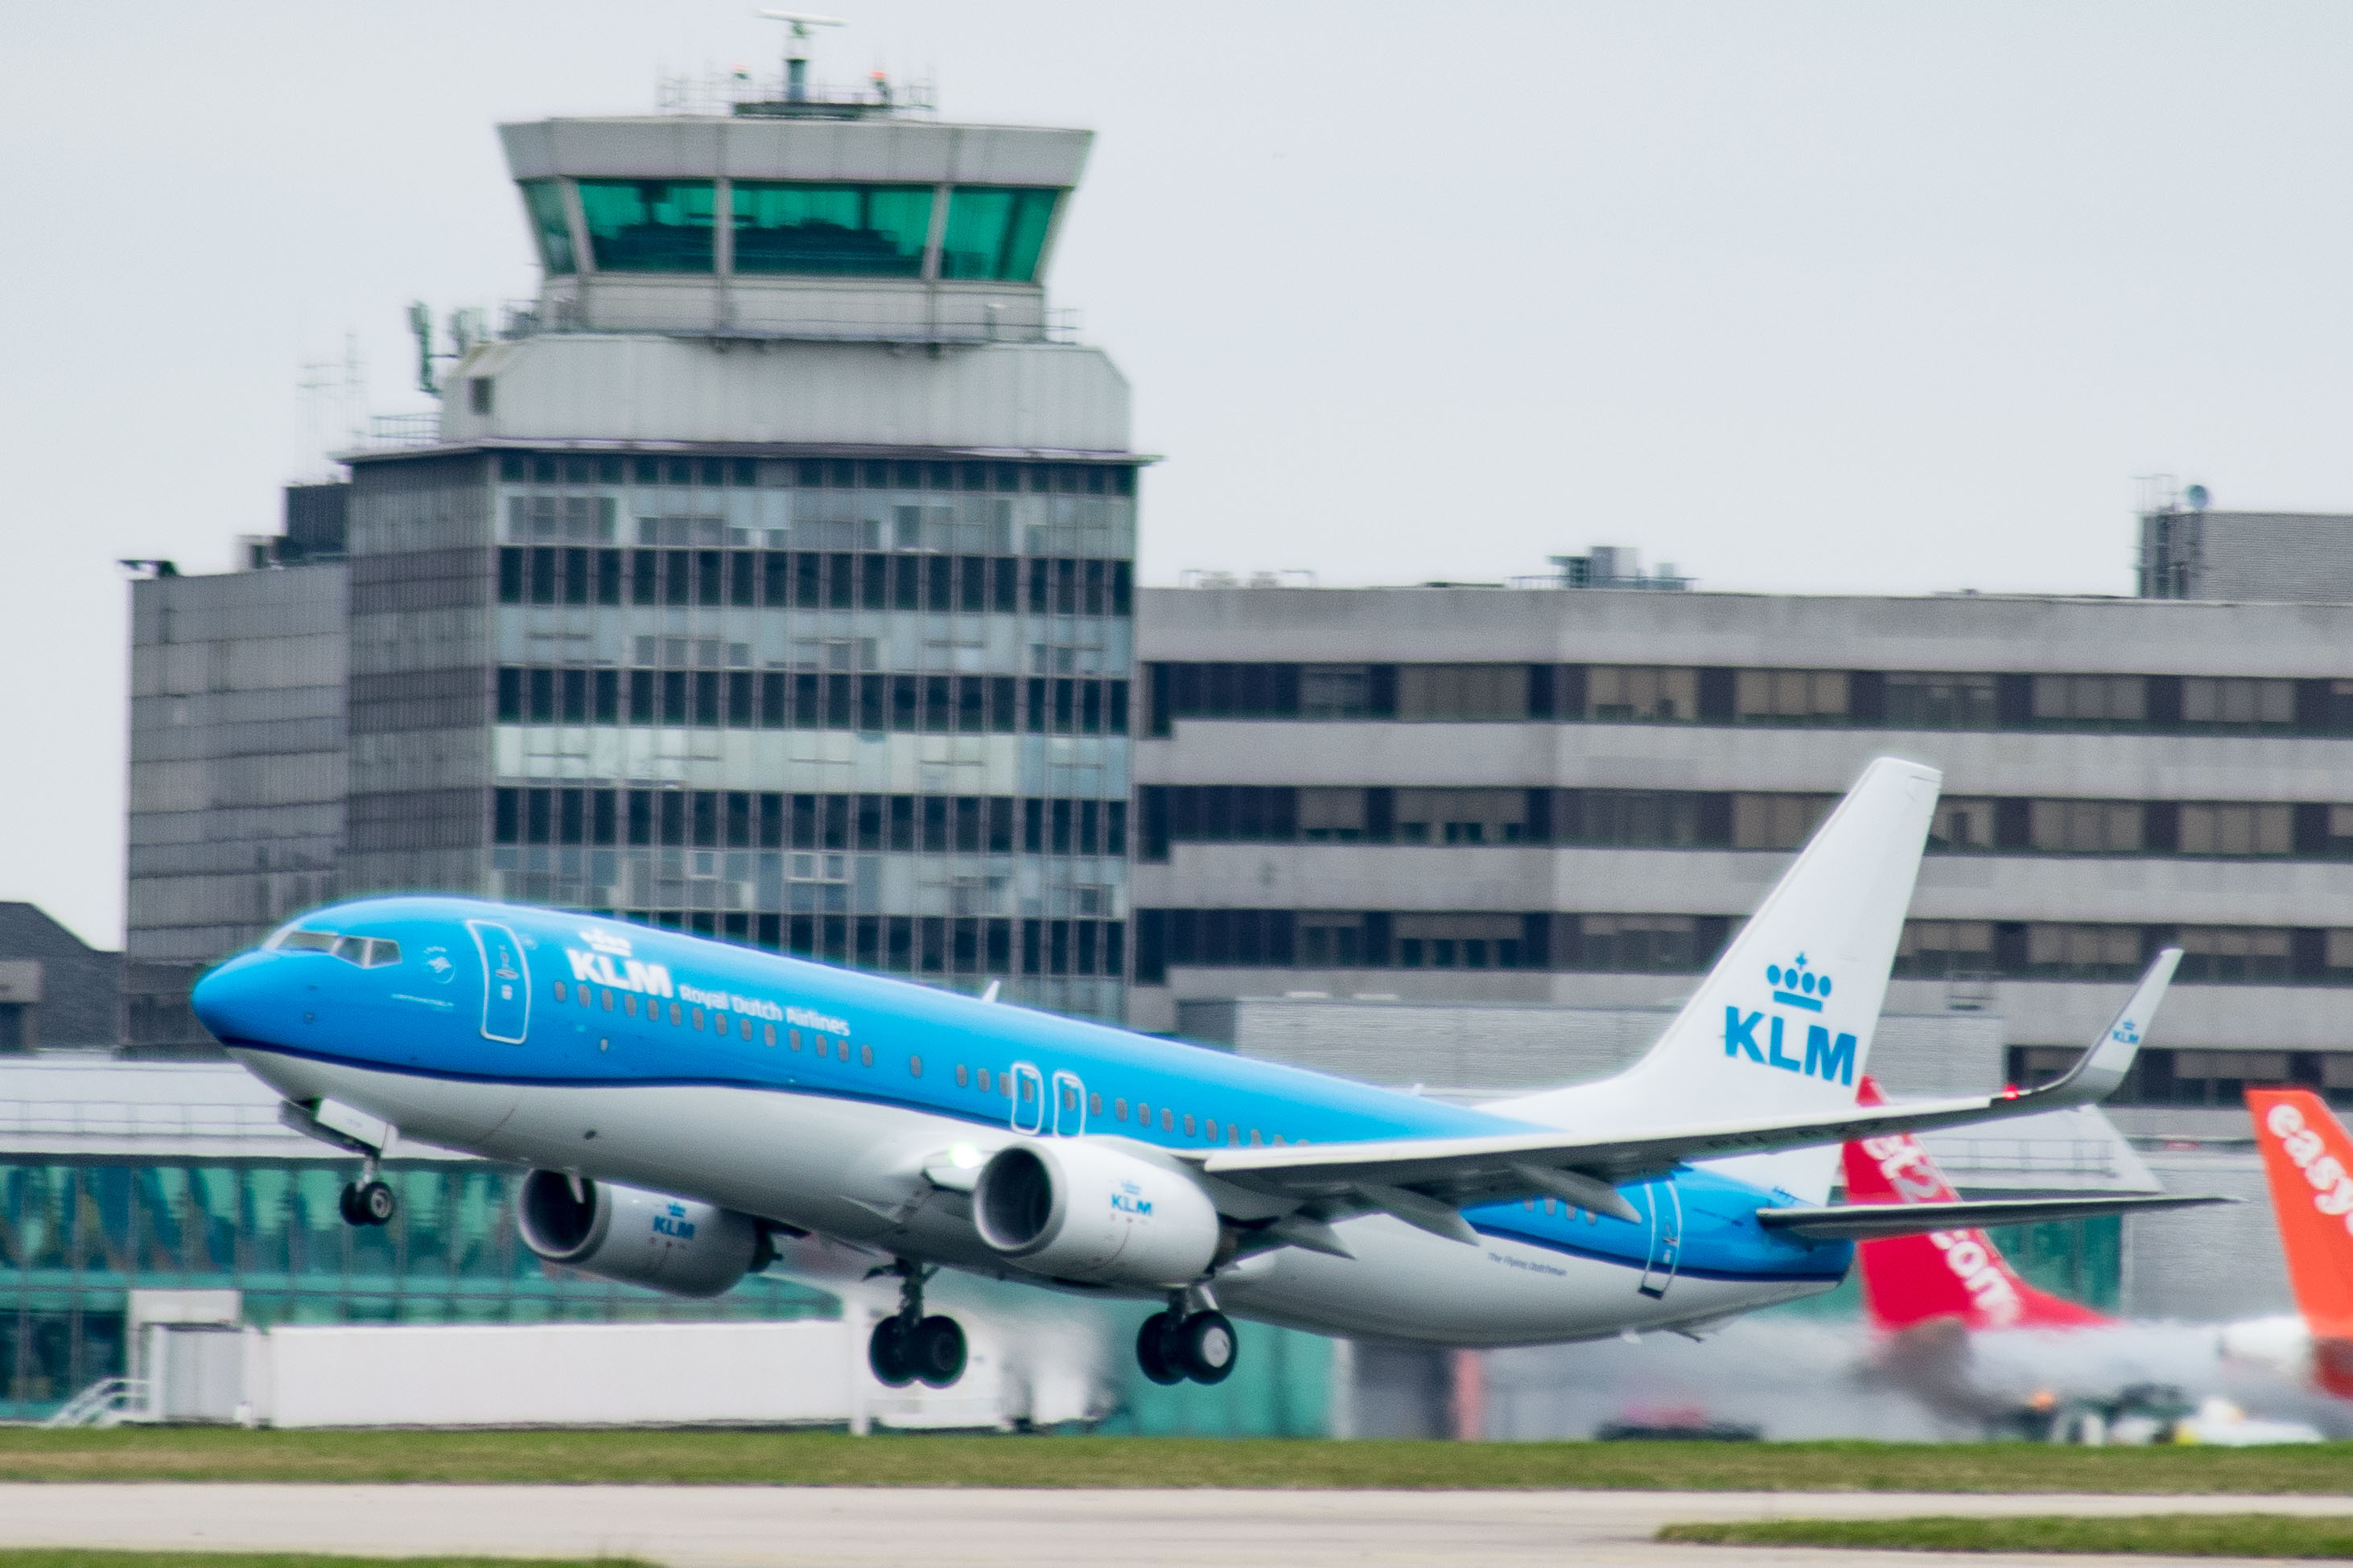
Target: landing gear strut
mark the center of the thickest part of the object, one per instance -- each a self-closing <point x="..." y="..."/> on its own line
<point x="370" y="1200"/>
<point x="1183" y="1341"/>
<point x="908" y="1347"/>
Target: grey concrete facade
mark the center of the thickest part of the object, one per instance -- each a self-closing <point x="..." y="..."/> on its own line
<point x="236" y="817"/>
<point x="2119" y="773"/>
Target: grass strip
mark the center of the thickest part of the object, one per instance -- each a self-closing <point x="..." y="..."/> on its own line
<point x="75" y="1557"/>
<point x="802" y="1457"/>
<point x="2155" y="1535"/>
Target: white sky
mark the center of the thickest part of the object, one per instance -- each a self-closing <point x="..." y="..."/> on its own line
<point x="1798" y="297"/>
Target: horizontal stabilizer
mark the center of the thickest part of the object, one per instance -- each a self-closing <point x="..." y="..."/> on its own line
<point x="1389" y="1173"/>
<point x="1863" y="1222"/>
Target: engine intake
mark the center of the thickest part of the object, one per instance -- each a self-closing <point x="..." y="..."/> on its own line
<point x="635" y="1236"/>
<point x="1076" y="1210"/>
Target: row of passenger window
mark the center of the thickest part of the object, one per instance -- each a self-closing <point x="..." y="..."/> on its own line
<point x="783" y="699"/>
<point x="744" y="819"/>
<point x="683" y="1015"/>
<point x="1901" y="699"/>
<point x="814" y="580"/>
<point x="1683" y="944"/>
<point x="1216" y="813"/>
<point x="1024" y="1089"/>
<point x="818" y="473"/>
<point x="965" y="947"/>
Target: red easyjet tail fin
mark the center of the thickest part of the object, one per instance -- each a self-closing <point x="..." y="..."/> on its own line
<point x="1910" y="1279"/>
<point x="2308" y="1160"/>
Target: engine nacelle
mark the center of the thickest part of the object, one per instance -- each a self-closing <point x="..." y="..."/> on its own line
<point x="1076" y="1210"/>
<point x="638" y="1237"/>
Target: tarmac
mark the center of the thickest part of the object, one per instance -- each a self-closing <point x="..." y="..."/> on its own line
<point x="734" y="1527"/>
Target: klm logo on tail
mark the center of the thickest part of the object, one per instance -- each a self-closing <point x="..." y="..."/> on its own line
<point x="1827" y="1055"/>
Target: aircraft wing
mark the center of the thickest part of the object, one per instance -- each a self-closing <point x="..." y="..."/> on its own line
<point x="1863" y="1222"/>
<point x="1423" y="1180"/>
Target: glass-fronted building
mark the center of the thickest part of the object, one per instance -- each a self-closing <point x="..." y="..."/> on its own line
<point x="116" y="1178"/>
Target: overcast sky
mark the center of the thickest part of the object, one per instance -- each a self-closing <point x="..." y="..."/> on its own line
<point x="1799" y="296"/>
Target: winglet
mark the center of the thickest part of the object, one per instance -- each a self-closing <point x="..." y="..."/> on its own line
<point x="2099" y="1070"/>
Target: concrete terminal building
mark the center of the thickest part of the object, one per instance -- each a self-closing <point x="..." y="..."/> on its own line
<point x="1572" y="796"/>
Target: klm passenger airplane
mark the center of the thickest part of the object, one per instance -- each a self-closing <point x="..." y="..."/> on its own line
<point x="683" y="1103"/>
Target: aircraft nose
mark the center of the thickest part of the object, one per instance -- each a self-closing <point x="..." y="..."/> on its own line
<point x="233" y="1001"/>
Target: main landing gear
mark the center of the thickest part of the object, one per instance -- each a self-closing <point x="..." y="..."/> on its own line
<point x="908" y="1347"/>
<point x="370" y="1200"/>
<point x="1180" y="1343"/>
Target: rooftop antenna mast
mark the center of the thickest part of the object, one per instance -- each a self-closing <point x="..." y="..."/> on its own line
<point x="797" y="48"/>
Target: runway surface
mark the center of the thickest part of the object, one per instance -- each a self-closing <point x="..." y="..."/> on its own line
<point x="734" y="1527"/>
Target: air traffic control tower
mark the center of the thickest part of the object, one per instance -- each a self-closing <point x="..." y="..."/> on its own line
<point x="771" y="575"/>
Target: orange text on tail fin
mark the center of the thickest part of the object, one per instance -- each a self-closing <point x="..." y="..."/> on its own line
<point x="1911" y="1279"/>
<point x="2308" y="1160"/>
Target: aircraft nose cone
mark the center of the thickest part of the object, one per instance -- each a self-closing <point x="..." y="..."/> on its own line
<point x="232" y="1002"/>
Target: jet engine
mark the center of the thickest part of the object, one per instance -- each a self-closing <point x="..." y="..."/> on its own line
<point x="638" y="1237"/>
<point x="1074" y="1210"/>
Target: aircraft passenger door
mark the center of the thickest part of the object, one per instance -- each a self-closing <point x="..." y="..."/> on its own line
<point x="1028" y="1099"/>
<point x="1070" y="1105"/>
<point x="1666" y="1206"/>
<point x="506" y="983"/>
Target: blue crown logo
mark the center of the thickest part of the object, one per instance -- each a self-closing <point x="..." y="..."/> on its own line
<point x="1796" y="986"/>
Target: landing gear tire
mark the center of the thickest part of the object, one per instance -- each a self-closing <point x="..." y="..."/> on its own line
<point x="369" y="1202"/>
<point x="886" y="1355"/>
<point x="1205" y="1346"/>
<point x="1155" y="1346"/>
<point x="934" y="1352"/>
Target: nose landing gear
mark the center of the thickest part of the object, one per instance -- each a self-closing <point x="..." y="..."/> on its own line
<point x="908" y="1347"/>
<point x="1179" y="1344"/>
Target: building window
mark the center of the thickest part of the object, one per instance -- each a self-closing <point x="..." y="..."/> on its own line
<point x="1459" y="941"/>
<point x="2085" y="826"/>
<point x="1334" y="692"/>
<point x="2084" y="951"/>
<point x="1918" y="701"/>
<point x="1635" y="818"/>
<point x="996" y="233"/>
<point x="1790" y="696"/>
<point x="1777" y="821"/>
<point x="1619" y="691"/>
<point x="2092" y="700"/>
<point x="870" y="231"/>
<point x="649" y="225"/>
<point x="1461" y="816"/>
<point x="2234" y="954"/>
<point x="1337" y="815"/>
<point x="1637" y="944"/>
<point x="1944" y="950"/>
<point x="1962" y="824"/>
<point x="1331" y="940"/>
<point x="2219" y="829"/>
<point x="1462" y="691"/>
<point x="549" y="222"/>
<point x="2238" y="703"/>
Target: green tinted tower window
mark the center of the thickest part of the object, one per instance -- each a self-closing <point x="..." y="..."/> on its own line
<point x="996" y="232"/>
<point x="649" y="225"/>
<point x="546" y="200"/>
<point x="867" y="231"/>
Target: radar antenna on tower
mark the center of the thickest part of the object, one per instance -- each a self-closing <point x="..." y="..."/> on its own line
<point x="797" y="48"/>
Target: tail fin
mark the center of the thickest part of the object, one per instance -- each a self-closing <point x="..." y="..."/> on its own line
<point x="2309" y="1161"/>
<point x="1782" y="1024"/>
<point x="1958" y="1274"/>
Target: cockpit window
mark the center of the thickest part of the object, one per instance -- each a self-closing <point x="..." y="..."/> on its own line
<point x="367" y="953"/>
